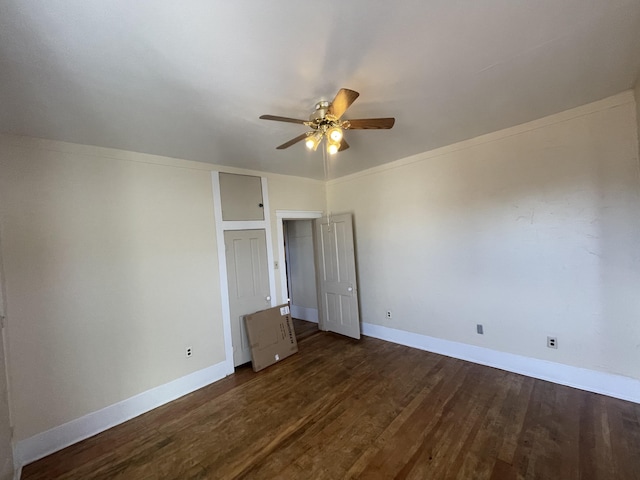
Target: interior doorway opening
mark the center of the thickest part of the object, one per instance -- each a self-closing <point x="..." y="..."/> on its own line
<point x="300" y="269"/>
<point x="334" y="257"/>
<point x="295" y="231"/>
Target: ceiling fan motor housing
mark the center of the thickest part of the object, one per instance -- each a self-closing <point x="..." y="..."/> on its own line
<point x="321" y="111"/>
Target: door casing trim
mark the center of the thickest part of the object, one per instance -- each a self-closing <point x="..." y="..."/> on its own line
<point x="281" y="216"/>
<point x="221" y="226"/>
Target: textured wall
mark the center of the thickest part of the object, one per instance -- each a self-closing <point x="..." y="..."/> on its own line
<point x="531" y="231"/>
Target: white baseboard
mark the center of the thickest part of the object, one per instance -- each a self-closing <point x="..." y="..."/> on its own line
<point x="608" y="384"/>
<point x="57" y="438"/>
<point x="304" y="313"/>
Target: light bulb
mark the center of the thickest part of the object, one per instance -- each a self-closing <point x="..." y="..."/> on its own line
<point x="332" y="149"/>
<point x="310" y="143"/>
<point x="335" y="134"/>
<point x="313" y="141"/>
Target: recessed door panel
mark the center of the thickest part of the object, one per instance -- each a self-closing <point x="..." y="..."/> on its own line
<point x="342" y="253"/>
<point x="329" y="270"/>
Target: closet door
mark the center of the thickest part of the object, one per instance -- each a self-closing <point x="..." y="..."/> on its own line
<point x="248" y="280"/>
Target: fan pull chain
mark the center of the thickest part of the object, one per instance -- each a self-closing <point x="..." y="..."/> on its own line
<point x="325" y="162"/>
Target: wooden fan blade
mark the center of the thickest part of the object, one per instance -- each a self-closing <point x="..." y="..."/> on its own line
<point x="343" y="145"/>
<point x="281" y="119"/>
<point x="292" y="142"/>
<point x="371" y="123"/>
<point x="344" y="99"/>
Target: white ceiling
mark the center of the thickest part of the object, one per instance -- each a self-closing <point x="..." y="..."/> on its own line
<point x="189" y="78"/>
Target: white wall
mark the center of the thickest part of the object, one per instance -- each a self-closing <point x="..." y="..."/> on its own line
<point x="111" y="271"/>
<point x="531" y="231"/>
<point x="300" y="262"/>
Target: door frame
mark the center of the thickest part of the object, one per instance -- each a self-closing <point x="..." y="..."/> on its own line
<point x="281" y="216"/>
<point x="222" y="225"/>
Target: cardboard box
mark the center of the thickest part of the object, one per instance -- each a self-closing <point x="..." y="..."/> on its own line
<point x="271" y="336"/>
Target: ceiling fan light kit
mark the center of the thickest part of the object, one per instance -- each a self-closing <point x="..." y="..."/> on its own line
<point x="332" y="147"/>
<point x="313" y="140"/>
<point x="335" y="134"/>
<point x="326" y="125"/>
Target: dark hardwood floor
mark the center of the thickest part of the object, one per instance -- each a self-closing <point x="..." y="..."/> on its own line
<point x="369" y="409"/>
<point x="304" y="329"/>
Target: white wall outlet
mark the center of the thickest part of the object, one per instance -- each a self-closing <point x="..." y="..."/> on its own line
<point x="552" y="342"/>
<point x="389" y="315"/>
<point x="189" y="351"/>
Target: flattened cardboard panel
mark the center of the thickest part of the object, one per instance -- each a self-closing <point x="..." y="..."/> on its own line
<point x="271" y="336"/>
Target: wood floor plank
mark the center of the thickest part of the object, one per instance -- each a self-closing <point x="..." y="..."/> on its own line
<point x="418" y="396"/>
<point x="478" y="453"/>
<point x="375" y="404"/>
<point x="400" y="449"/>
<point x="514" y="411"/>
<point x="304" y="329"/>
<point x="623" y="416"/>
<point x="439" y="453"/>
<point x="332" y="381"/>
<point x="364" y="385"/>
<point x="368" y="409"/>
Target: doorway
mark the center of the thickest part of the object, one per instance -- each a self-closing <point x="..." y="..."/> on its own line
<point x="300" y="269"/>
<point x="303" y="327"/>
<point x="299" y="264"/>
<point x="336" y="286"/>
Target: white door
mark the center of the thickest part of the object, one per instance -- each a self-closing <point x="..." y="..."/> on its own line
<point x="336" y="266"/>
<point x="248" y="280"/>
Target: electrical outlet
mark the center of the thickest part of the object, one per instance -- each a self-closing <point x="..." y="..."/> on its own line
<point x="189" y="351"/>
<point x="552" y="342"/>
<point x="389" y="315"/>
<point x="479" y="329"/>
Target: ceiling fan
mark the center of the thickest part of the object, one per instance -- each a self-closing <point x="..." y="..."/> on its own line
<point x="325" y="123"/>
